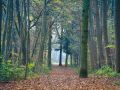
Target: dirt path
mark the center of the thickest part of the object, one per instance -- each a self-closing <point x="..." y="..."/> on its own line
<point x="61" y="78"/>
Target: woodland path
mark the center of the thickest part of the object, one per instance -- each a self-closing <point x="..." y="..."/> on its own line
<point x="62" y="78"/>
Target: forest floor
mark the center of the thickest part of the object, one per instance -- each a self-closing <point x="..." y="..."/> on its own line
<point x="62" y="78"/>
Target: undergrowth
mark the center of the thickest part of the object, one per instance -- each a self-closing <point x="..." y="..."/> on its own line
<point x="10" y="72"/>
<point x="106" y="71"/>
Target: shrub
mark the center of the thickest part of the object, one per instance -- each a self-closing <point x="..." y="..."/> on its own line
<point x="30" y="69"/>
<point x="8" y="72"/>
<point x="107" y="72"/>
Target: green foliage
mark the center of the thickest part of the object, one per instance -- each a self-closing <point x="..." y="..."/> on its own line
<point x="30" y="69"/>
<point x="107" y="72"/>
<point x="8" y="72"/>
<point x="110" y="46"/>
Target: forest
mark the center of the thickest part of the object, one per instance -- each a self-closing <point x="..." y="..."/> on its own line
<point x="59" y="44"/>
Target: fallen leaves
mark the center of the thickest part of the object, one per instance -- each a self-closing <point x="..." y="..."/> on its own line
<point x="62" y="78"/>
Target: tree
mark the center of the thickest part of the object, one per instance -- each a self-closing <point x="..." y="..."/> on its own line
<point x="117" y="34"/>
<point x="105" y="32"/>
<point x="66" y="49"/>
<point x="61" y="45"/>
<point x="28" y="39"/>
<point x="9" y="28"/>
<point x="43" y="37"/>
<point x="49" y="47"/>
<point x="84" y="47"/>
<point x="101" y="57"/>
<point x="92" y="41"/>
<point x="0" y="30"/>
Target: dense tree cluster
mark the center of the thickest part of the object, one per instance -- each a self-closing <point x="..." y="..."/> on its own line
<point x="87" y="31"/>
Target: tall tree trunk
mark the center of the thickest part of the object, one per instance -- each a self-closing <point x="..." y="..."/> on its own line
<point x="92" y="42"/>
<point x="84" y="42"/>
<point x="101" y="57"/>
<point x="28" y="39"/>
<point x="60" y="57"/>
<point x="35" y="43"/>
<point x="105" y="32"/>
<point x="44" y="32"/>
<point x="4" y="35"/>
<point x="40" y="61"/>
<point x="10" y="28"/>
<point x="20" y="31"/>
<point x="24" y="35"/>
<point x="71" y="59"/>
<point x="66" y="60"/>
<point x="113" y="54"/>
<point x="28" y="31"/>
<point x="117" y="33"/>
<point x="0" y="31"/>
<point x="49" y="48"/>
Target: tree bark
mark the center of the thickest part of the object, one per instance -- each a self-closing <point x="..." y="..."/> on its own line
<point x="84" y="42"/>
<point x="101" y="57"/>
<point x="49" y="48"/>
<point x="117" y="34"/>
<point x="10" y="28"/>
<point x="60" y="57"/>
<point x="92" y="42"/>
<point x="66" y="60"/>
<point x="71" y="59"/>
<point x="0" y="31"/>
<point x="105" y="32"/>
